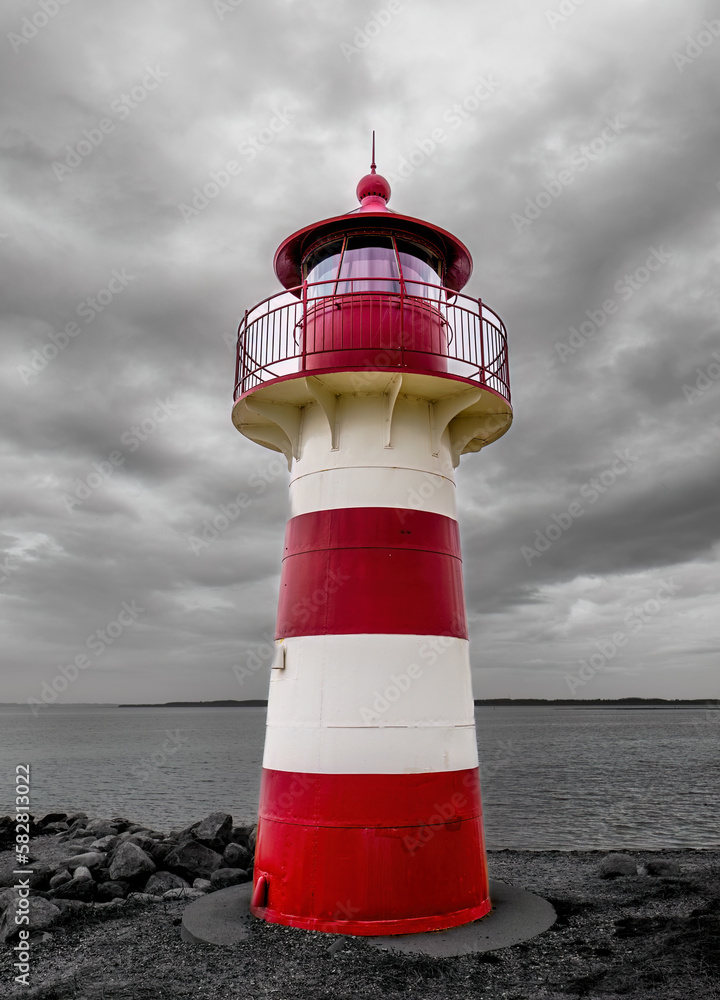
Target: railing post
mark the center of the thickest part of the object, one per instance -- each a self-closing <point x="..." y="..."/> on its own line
<point x="402" y="320"/>
<point x="506" y="367"/>
<point x="237" y="360"/>
<point x="303" y="325"/>
<point x="241" y="327"/>
<point x="482" y="342"/>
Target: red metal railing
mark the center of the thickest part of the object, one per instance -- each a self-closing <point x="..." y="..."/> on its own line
<point x="371" y="323"/>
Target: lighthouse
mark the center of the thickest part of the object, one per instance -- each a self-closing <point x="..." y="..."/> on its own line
<point x="372" y="373"/>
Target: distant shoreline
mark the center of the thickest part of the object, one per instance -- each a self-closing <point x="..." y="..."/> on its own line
<point x="485" y="702"/>
<point x="707" y="703"/>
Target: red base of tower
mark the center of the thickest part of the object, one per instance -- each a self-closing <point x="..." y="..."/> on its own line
<point x="376" y="928"/>
<point x="371" y="854"/>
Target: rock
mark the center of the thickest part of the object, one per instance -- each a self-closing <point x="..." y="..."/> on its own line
<point x="59" y="878"/>
<point x="40" y="937"/>
<point x="159" y="883"/>
<point x="7" y="898"/>
<point x="89" y="859"/>
<point x="77" y="844"/>
<point x="76" y="818"/>
<point x="236" y="856"/>
<point x="42" y="914"/>
<point x="125" y="835"/>
<point x="614" y="865"/>
<point x="105" y="843"/>
<point x="57" y="817"/>
<point x="193" y="860"/>
<point x="59" y="827"/>
<point x="101" y="828"/>
<point x="240" y="834"/>
<point x="120" y="823"/>
<point x="223" y="878"/>
<point x="70" y="907"/>
<point x="215" y="827"/>
<point x="202" y="883"/>
<point x="662" y="866"/>
<point x="130" y="861"/>
<point x="161" y="851"/>
<point x="184" y="893"/>
<point x="252" y="837"/>
<point x="7" y="833"/>
<point x="77" y="888"/>
<point x="102" y="875"/>
<point x="143" y="839"/>
<point x="145" y="897"/>
<point x="111" y="890"/>
<point x="186" y="833"/>
<point x="75" y="833"/>
<point x="77" y="829"/>
<point x="153" y="848"/>
<point x="213" y="831"/>
<point x="110" y="905"/>
<point x="41" y="875"/>
<point x="82" y="872"/>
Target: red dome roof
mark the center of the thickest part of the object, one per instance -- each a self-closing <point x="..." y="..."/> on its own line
<point x="373" y="184"/>
<point x="373" y="192"/>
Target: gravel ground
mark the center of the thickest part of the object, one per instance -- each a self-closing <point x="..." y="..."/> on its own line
<point x="638" y="937"/>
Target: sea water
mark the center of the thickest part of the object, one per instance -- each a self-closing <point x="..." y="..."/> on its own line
<point x="552" y="778"/>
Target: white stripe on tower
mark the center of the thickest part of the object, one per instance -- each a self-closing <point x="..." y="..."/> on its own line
<point x="371" y="703"/>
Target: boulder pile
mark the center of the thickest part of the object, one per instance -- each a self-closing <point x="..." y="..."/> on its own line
<point x="107" y="862"/>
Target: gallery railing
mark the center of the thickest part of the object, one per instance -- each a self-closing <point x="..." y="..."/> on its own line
<point x="371" y="323"/>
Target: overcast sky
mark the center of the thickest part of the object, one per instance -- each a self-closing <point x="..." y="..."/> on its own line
<point x="576" y="155"/>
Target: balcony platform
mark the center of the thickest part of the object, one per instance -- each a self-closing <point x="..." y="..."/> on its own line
<point x="270" y="415"/>
<point x="363" y="336"/>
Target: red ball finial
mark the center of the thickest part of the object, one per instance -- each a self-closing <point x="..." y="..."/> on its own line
<point x="373" y="184"/>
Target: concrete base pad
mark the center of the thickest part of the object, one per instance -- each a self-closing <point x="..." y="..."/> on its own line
<point x="516" y="916"/>
<point x="224" y="918"/>
<point x="221" y="917"/>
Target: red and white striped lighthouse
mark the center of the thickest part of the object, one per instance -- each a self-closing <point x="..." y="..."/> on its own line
<point x="372" y="374"/>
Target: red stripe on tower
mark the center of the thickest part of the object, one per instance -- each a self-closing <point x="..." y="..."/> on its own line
<point x="372" y="850"/>
<point x="371" y="569"/>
